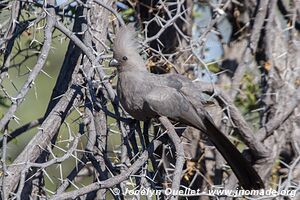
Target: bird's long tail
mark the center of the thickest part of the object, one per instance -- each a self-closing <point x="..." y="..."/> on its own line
<point x="247" y="176"/>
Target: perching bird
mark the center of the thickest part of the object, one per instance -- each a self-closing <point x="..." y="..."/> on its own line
<point x="145" y="95"/>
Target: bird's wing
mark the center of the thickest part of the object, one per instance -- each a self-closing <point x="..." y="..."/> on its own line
<point x="165" y="102"/>
<point x="169" y="102"/>
<point x="186" y="86"/>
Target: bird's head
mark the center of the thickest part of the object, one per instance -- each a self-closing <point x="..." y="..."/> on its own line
<point x="125" y="48"/>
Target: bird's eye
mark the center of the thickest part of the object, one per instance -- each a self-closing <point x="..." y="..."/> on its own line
<point x="125" y="58"/>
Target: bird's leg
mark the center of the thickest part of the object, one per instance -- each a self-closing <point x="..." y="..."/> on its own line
<point x="132" y="139"/>
<point x="142" y="139"/>
<point x="145" y="131"/>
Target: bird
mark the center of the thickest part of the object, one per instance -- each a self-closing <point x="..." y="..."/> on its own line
<point x="145" y="96"/>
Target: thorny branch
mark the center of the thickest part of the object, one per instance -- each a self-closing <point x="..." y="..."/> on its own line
<point x="84" y="99"/>
<point x="177" y="174"/>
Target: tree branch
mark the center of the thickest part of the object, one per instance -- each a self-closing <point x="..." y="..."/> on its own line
<point x="177" y="174"/>
<point x="111" y="182"/>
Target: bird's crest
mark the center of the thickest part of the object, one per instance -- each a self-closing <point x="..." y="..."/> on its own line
<point x="125" y="40"/>
<point x="126" y="46"/>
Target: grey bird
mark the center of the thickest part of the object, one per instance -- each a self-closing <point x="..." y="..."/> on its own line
<point x="145" y="95"/>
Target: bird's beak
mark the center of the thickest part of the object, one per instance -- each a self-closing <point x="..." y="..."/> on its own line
<point x="114" y="63"/>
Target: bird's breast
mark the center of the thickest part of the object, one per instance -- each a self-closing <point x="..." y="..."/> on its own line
<point x="131" y="93"/>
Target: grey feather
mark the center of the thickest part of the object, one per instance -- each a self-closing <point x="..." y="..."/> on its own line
<point x="144" y="96"/>
<point x="126" y="49"/>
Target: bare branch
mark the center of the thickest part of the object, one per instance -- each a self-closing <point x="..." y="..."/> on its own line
<point x="177" y="174"/>
<point x="33" y="74"/>
<point x="21" y="130"/>
<point x="114" y="180"/>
